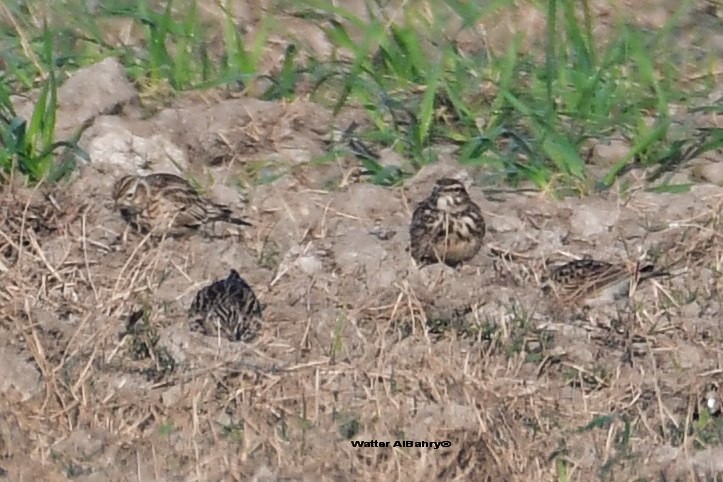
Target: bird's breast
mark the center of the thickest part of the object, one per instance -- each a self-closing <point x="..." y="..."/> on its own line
<point x="462" y="225"/>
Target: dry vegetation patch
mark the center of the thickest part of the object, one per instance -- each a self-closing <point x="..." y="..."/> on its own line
<point x="106" y="379"/>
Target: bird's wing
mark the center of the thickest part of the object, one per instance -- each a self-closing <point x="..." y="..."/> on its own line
<point x="597" y="279"/>
<point x="422" y="230"/>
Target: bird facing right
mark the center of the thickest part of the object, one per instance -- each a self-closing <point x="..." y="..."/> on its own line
<point x="447" y="226"/>
<point x="166" y="203"/>
<point x="227" y="307"/>
<point x="592" y="282"/>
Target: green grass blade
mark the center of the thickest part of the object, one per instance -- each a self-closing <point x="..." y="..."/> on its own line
<point x="237" y="57"/>
<point x="654" y="135"/>
<point x="581" y="53"/>
<point x="410" y="62"/>
<point x="285" y="82"/>
<point x="551" y="52"/>
<point x="640" y="54"/>
<point x="671" y="188"/>
<point x="564" y="155"/>
<point x="508" y="68"/>
<point x="426" y="112"/>
<point x="372" y="38"/>
<point x="182" y="73"/>
<point x="559" y="150"/>
<point x="34" y="134"/>
<point x="338" y="36"/>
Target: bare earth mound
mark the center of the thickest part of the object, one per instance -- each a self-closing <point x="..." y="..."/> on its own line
<point x="104" y="381"/>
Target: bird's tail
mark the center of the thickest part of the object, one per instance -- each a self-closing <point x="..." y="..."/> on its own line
<point x="648" y="271"/>
<point x="239" y="221"/>
<point x="227" y="215"/>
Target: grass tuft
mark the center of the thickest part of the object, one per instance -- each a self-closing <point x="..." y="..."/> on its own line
<point x="419" y="86"/>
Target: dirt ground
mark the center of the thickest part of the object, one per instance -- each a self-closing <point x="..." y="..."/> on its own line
<point x="358" y="344"/>
<point x="103" y="380"/>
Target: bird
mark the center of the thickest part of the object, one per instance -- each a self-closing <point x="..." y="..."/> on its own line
<point x="227" y="307"/>
<point x="166" y="204"/>
<point x="592" y="282"/>
<point x="446" y="227"/>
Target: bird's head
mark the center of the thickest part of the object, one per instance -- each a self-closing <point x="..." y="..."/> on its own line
<point x="450" y="195"/>
<point x="128" y="192"/>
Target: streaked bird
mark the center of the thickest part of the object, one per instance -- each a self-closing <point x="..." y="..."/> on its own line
<point x="447" y="227"/>
<point x="166" y="203"/>
<point x="228" y="308"/>
<point x="592" y="282"/>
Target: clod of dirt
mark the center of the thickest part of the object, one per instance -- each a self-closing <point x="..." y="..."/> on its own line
<point x="264" y="474"/>
<point x="101" y="88"/>
<point x="240" y="129"/>
<point x="172" y="396"/>
<point x="456" y="416"/>
<point x="194" y="350"/>
<point x="81" y="444"/>
<point x="236" y="130"/>
<point x="673" y="463"/>
<point x="289" y="214"/>
<point x="606" y="154"/>
<point x="19" y="378"/>
<point x="359" y="255"/>
<point x="711" y="172"/>
<point x="660" y="211"/>
<point x="27" y="215"/>
<point x="310" y="264"/>
<point x="308" y="33"/>
<point x="12" y="436"/>
<point x="366" y="202"/>
<point x="113" y="141"/>
<point x="593" y="217"/>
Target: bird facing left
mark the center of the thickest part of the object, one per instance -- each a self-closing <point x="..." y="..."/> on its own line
<point x="227" y="308"/>
<point x="164" y="203"/>
<point x="592" y="282"/>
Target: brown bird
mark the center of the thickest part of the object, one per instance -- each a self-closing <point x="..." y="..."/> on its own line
<point x="447" y="226"/>
<point x="594" y="282"/>
<point x="227" y="307"/>
<point x="166" y="203"/>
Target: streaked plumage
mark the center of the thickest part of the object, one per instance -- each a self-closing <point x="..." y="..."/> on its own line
<point x="166" y="203"/>
<point x="447" y="226"/>
<point x="229" y="307"/>
<point x="595" y="282"/>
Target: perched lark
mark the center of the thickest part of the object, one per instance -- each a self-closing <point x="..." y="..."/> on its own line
<point x="446" y="227"/>
<point x="595" y="282"/>
<point x="227" y="307"/>
<point x="166" y="203"/>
